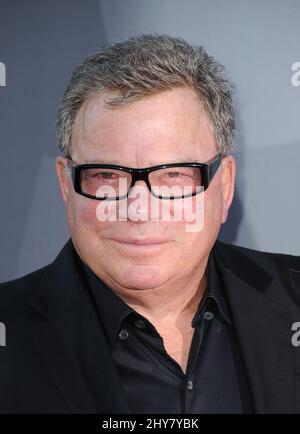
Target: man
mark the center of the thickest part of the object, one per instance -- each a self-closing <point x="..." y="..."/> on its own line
<point x="145" y="313"/>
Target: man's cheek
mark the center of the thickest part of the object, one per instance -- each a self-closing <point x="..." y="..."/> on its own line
<point x="87" y="217"/>
<point x="192" y="212"/>
<point x="85" y="211"/>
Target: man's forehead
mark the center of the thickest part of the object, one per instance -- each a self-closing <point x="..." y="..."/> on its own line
<point x="180" y="107"/>
<point x="144" y="140"/>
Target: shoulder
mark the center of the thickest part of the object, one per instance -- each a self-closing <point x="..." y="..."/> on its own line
<point x="23" y="281"/>
<point x="265" y="259"/>
<point x="21" y="289"/>
<point x="260" y="268"/>
<point x="252" y="253"/>
<point x="14" y="294"/>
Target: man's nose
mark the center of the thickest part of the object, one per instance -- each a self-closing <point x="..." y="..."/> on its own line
<point x="139" y="202"/>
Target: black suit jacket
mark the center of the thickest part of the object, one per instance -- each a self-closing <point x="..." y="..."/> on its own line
<point x="38" y="369"/>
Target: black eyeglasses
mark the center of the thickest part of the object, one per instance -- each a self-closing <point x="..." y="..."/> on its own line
<point x="165" y="181"/>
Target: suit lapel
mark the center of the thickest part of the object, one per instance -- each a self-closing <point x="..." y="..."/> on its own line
<point x="262" y="315"/>
<point x="61" y="304"/>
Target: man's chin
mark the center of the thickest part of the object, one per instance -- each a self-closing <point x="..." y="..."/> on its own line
<point x="140" y="276"/>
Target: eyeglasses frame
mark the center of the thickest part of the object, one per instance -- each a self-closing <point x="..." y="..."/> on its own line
<point x="207" y="172"/>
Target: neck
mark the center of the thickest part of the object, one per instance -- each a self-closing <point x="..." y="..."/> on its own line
<point x="170" y="302"/>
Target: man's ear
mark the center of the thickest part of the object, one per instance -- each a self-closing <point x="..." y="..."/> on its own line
<point x="228" y="175"/>
<point x="63" y="174"/>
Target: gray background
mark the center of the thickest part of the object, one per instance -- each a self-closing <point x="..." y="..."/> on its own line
<point x="40" y="43"/>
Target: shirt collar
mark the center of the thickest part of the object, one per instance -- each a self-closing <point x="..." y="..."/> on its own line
<point x="113" y="310"/>
<point x="213" y="293"/>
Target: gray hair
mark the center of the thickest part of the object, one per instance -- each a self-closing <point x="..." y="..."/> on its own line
<point x="145" y="65"/>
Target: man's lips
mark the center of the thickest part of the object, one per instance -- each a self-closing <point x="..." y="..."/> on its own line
<point x="142" y="242"/>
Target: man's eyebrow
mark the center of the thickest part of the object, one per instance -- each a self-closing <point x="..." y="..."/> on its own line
<point x="150" y="164"/>
<point x="100" y="161"/>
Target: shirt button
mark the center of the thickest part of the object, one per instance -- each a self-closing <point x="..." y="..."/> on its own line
<point x="190" y="385"/>
<point x="123" y="335"/>
<point x="140" y="323"/>
<point x="208" y="315"/>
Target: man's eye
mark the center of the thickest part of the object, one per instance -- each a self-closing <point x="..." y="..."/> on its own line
<point x="108" y="175"/>
<point x="105" y="175"/>
<point x="176" y="174"/>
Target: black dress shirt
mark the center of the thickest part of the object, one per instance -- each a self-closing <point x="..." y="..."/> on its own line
<point x="153" y="381"/>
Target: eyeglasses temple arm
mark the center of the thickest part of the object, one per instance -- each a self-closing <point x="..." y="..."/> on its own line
<point x="213" y="167"/>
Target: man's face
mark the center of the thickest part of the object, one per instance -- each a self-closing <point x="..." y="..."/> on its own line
<point x="167" y="127"/>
